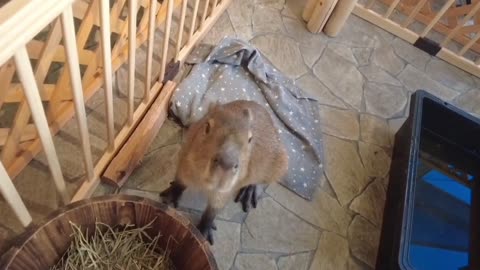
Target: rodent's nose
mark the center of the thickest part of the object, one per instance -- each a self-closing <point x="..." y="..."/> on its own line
<point x="226" y="161"/>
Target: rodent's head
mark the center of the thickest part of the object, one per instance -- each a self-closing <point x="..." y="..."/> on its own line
<point x="217" y="149"/>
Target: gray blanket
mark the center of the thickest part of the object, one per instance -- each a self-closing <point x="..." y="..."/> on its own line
<point x="236" y="70"/>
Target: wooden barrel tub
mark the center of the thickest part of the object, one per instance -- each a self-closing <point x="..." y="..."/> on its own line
<point x="41" y="246"/>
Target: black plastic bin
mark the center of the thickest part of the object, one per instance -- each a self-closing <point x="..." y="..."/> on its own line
<point x="431" y="217"/>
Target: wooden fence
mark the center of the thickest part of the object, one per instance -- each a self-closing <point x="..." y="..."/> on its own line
<point x="50" y="56"/>
<point x="417" y="20"/>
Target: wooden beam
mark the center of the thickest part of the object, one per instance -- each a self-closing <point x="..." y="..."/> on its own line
<point x="137" y="145"/>
<point x="29" y="133"/>
<point x="34" y="48"/>
<point x="87" y="187"/>
<point x="15" y="93"/>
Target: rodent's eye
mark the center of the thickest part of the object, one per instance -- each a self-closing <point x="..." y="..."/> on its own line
<point x="250" y="139"/>
<point x="215" y="160"/>
<point x="236" y="166"/>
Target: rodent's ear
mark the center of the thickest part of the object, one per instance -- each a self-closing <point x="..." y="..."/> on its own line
<point x="209" y="125"/>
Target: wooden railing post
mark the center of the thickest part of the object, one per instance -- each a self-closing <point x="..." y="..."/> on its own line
<point x="25" y="74"/>
<point x="132" y="46"/>
<point x="151" y="38"/>
<point x="166" y="39"/>
<point x="11" y="196"/>
<point x="183" y="14"/>
<point x="77" y="89"/>
<point x="107" y="70"/>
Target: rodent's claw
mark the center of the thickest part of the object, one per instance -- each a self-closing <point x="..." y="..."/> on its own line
<point x="207" y="232"/>
<point x="167" y="197"/>
<point x="172" y="194"/>
<point x="248" y="196"/>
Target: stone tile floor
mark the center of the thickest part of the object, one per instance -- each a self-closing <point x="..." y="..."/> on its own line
<point x="363" y="80"/>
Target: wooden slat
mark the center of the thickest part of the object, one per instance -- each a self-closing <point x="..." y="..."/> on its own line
<point x="11" y="148"/>
<point x="369" y="4"/>
<point x="11" y="196"/>
<point x="87" y="187"/>
<point x="83" y="33"/>
<point x="132" y="33"/>
<point x="34" y="48"/>
<point x="48" y="52"/>
<point x="194" y="21"/>
<point x="469" y="44"/>
<point x="21" y="20"/>
<point x="469" y="29"/>
<point x="107" y="70"/>
<point x="25" y="74"/>
<point x="460" y="24"/>
<point x="150" y="46"/>
<point x="6" y="75"/>
<point x="391" y="8"/>
<point x="9" y="151"/>
<point x="77" y="89"/>
<point x="15" y="93"/>
<point x="63" y="81"/>
<point x="137" y="144"/>
<point x="204" y="13"/>
<point x="183" y="14"/>
<point x="166" y="39"/>
<point x="437" y="17"/>
<point x="41" y="70"/>
<point x="122" y="25"/>
<point x="22" y="116"/>
<point x="460" y="11"/>
<point x="209" y="22"/>
<point x="414" y="13"/>
<point x="29" y="133"/>
<point x="80" y="8"/>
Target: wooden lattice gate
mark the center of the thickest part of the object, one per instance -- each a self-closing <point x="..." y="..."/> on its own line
<point x="56" y="54"/>
<point x="447" y="29"/>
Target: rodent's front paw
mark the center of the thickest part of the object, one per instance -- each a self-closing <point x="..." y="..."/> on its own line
<point x="168" y="197"/>
<point x="207" y="231"/>
<point x="248" y="196"/>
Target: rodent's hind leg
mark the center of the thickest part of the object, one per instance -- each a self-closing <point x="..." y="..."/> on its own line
<point x="207" y="224"/>
<point x="248" y="196"/>
<point x="173" y="193"/>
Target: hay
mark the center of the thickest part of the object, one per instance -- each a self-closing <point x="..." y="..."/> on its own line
<point x="109" y="248"/>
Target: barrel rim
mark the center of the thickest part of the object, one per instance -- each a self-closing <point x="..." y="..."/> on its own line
<point x="19" y="241"/>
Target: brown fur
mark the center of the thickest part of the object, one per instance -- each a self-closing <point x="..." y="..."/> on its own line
<point x="264" y="160"/>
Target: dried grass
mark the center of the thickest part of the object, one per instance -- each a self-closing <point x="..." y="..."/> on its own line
<point x="129" y="248"/>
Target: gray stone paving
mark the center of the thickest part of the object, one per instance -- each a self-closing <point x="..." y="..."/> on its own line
<point x="362" y="79"/>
